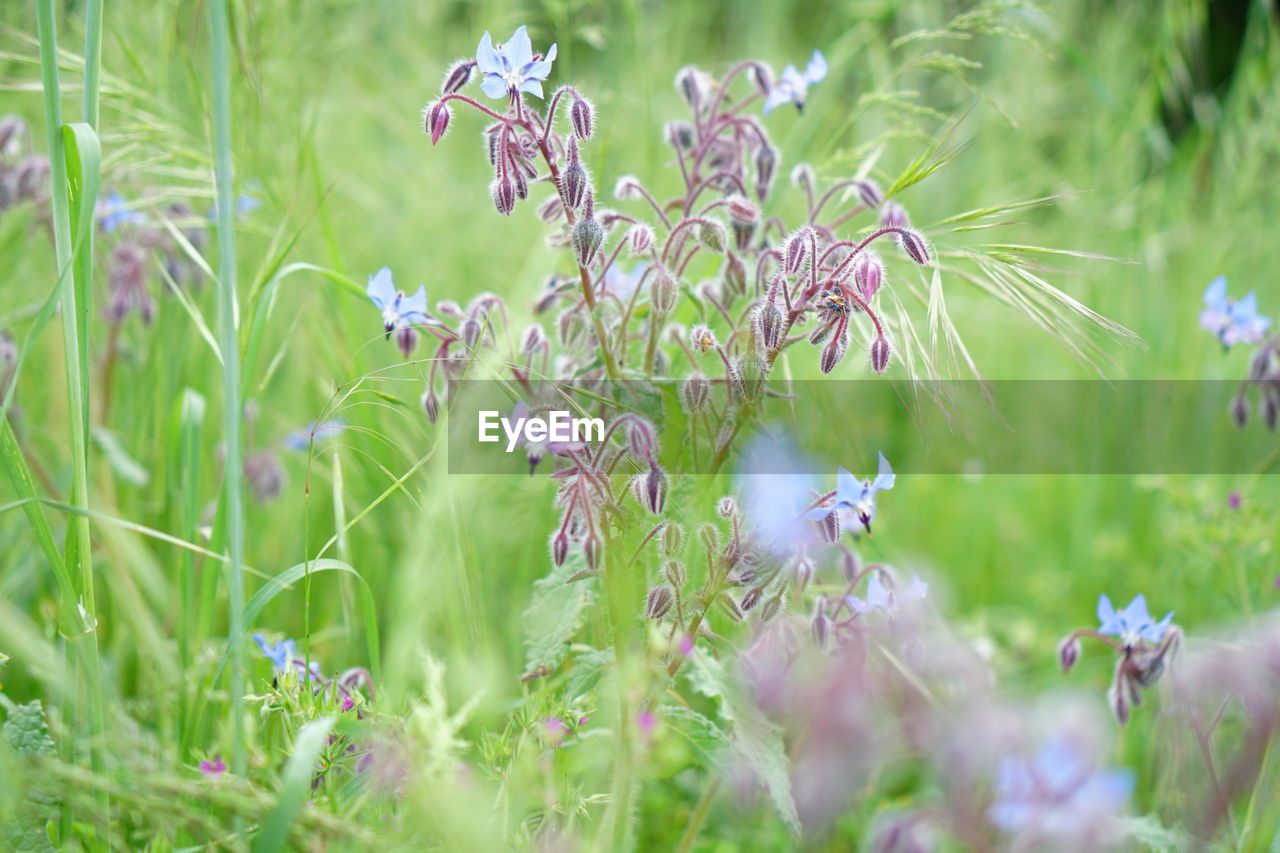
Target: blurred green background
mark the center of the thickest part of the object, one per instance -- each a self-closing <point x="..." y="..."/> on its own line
<point x="1157" y="123"/>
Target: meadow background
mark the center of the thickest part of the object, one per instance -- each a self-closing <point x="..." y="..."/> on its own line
<point x="1158" y="123"/>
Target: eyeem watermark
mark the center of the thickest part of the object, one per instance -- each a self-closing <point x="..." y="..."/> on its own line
<point x="556" y="426"/>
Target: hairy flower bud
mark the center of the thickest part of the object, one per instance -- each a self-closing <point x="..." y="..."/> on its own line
<point x="735" y="274"/>
<point x="821" y="627"/>
<point x="1118" y="699"/>
<point x="914" y="247"/>
<point x="702" y="338"/>
<point x="894" y="215"/>
<point x="751" y="599"/>
<point x="679" y="135"/>
<point x="436" y="118"/>
<point x="1068" y="652"/>
<point x="559" y="547"/>
<point x="627" y="188"/>
<point x="583" y="117"/>
<point x="713" y="235"/>
<point x="534" y="339"/>
<point x="829" y="528"/>
<point x="641" y="440"/>
<point x="572" y="329"/>
<point x="710" y="537"/>
<point x="802" y="177"/>
<point x="687" y="84"/>
<point x="769" y="325"/>
<point x="694" y="392"/>
<point x="592" y="550"/>
<point x="870" y="194"/>
<point x="675" y="573"/>
<point x="766" y="164"/>
<point x="663" y="290"/>
<point x="1239" y="410"/>
<point x="639" y="238"/>
<point x="587" y="236"/>
<point x="743" y="211"/>
<point x="658" y="602"/>
<point x="867" y="276"/>
<point x="796" y="251"/>
<point x="1270" y="410"/>
<point x="651" y="488"/>
<point x="503" y="190"/>
<point x="880" y="352"/>
<point x="431" y="405"/>
<point x="406" y="340"/>
<point x="574" y="179"/>
<point x="834" y="351"/>
<point x="471" y="332"/>
<point x="458" y="75"/>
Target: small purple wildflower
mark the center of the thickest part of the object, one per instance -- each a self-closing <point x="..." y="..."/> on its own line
<point x="114" y="212"/>
<point x="860" y="497"/>
<point x="793" y="87"/>
<point x="556" y="729"/>
<point x="1232" y="322"/>
<point x="646" y="723"/>
<point x="213" y="769"/>
<point x="398" y="311"/>
<point x="1233" y="500"/>
<point x="512" y="67"/>
<point x="1057" y="791"/>
<point x="1133" y="623"/>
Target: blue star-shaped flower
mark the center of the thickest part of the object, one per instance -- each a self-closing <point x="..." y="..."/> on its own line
<point x="1133" y="623"/>
<point x="512" y="67"/>
<point x="793" y="87"/>
<point x="1233" y="322"/>
<point x="775" y="487"/>
<point x="114" y="211"/>
<point x="860" y="497"/>
<point x="280" y="654"/>
<point x="880" y="598"/>
<point x="398" y="311"/>
<point x="1056" y="791"/>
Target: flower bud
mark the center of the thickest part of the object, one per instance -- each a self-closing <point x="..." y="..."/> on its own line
<point x="766" y="163"/>
<point x="592" y="549"/>
<point x="640" y="238"/>
<point x="471" y="332"/>
<point x="627" y="188"/>
<point x="867" y="276"/>
<point x="503" y="190"/>
<point x="914" y="246"/>
<point x="735" y="274"/>
<point x="551" y="209"/>
<point x="769" y="325"/>
<point x="407" y="339"/>
<point x="762" y="76"/>
<point x="641" y="440"/>
<point x="583" y="117"/>
<point x="675" y="573"/>
<point x="694" y="392"/>
<point x="743" y="211"/>
<point x="1270" y="409"/>
<point x="651" y="490"/>
<point x="1068" y="652"/>
<point x="458" y="75"/>
<point x="521" y="184"/>
<point x="870" y="193"/>
<point x="679" y="135"/>
<point x="829" y="528"/>
<point x="802" y="177"/>
<point x="687" y="84"/>
<point x="850" y="566"/>
<point x="834" y="351"/>
<point x="710" y="537"/>
<point x="742" y="234"/>
<point x="821" y="627"/>
<point x="751" y="599"/>
<point x="559" y="547"/>
<point x="533" y="340"/>
<point x="880" y="352"/>
<point x="713" y="235"/>
<point x="795" y="251"/>
<point x="893" y="215"/>
<point x="727" y="507"/>
<point x="587" y="236"/>
<point x="436" y="118"/>
<point x="663" y="290"/>
<point x="431" y="405"/>
<point x="658" y="602"/>
<point x="1239" y="410"/>
<point x="1118" y="699"/>
<point x="821" y="332"/>
<point x="574" y="179"/>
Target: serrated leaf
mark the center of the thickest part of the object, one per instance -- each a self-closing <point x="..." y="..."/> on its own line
<point x="588" y="668"/>
<point x="26" y="732"/>
<point x="709" y="741"/>
<point x="553" y="615"/>
<point x="757" y="740"/>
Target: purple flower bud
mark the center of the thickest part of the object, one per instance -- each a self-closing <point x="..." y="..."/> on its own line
<point x="694" y="392"/>
<point x="521" y="184"/>
<point x="1118" y="699"/>
<point x="742" y="234"/>
<point x="663" y="290"/>
<point x="762" y="77"/>
<point x="1068" y="652"/>
<point x="821" y="332"/>
<point x="914" y="246"/>
<point x="867" y="276"/>
<point x="894" y="215"/>
<point x="551" y="209"/>
<point x="727" y="507"/>
<point x="583" y="117"/>
<point x="471" y="332"/>
<point x="687" y="85"/>
<point x="503" y="190"/>
<point x="1239" y="410"/>
<point x="735" y="274"/>
<point x="821" y="627"/>
<point x="559" y="547"/>
<point x="766" y="163"/>
<point x="587" y="235"/>
<point x="407" y="339"/>
<point x="679" y="135"/>
<point x="833" y="352"/>
<point x="640" y="238"/>
<point x="796" y="251"/>
<point x="1270" y="409"/>
<point x="713" y="235"/>
<point x="431" y="405"/>
<point x="880" y="352"/>
<point x="533" y="340"/>
<point x="658" y="602"/>
<point x="849" y="564"/>
<point x="769" y="325"/>
<point x="702" y="338"/>
<point x="829" y="528"/>
<point x="655" y="490"/>
<point x="751" y="599"/>
<point x="743" y="211"/>
<point x="458" y="75"/>
<point x="572" y="328"/>
<point x="641" y="440"/>
<point x="674" y="570"/>
<point x="264" y="475"/>
<point x="771" y="608"/>
<point x="870" y="193"/>
<point x="574" y="178"/>
<point x="592" y="549"/>
<point x="437" y="116"/>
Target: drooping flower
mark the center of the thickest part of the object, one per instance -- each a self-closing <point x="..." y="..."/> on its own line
<point x="1133" y="623"/>
<point x="1056" y="792"/>
<point x="512" y="67"/>
<point x="860" y="497"/>
<point x="793" y="87"/>
<point x="1232" y="321"/>
<point x="880" y="597"/>
<point x="398" y="311"/>
<point x="114" y="211"/>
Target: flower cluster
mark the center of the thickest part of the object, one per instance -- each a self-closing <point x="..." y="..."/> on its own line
<point x="1238" y="322"/>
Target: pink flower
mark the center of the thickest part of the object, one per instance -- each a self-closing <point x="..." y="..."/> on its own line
<point x="213" y="769"/>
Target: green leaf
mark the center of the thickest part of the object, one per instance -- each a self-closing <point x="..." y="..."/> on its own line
<point x="755" y="738"/>
<point x="122" y="464"/>
<point x="26" y="731"/>
<point x="709" y="741"/>
<point x="296" y="785"/>
<point x="1154" y="836"/>
<point x="554" y="615"/>
<point x="588" y="668"/>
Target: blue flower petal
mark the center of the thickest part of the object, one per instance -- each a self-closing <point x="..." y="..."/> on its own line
<point x="518" y="50"/>
<point x="487" y="59"/>
<point x="381" y="289"/>
<point x="494" y="86"/>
